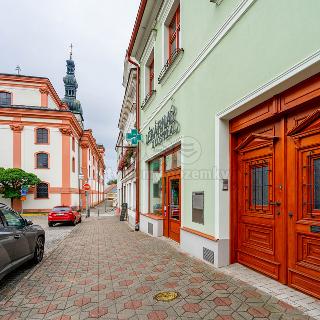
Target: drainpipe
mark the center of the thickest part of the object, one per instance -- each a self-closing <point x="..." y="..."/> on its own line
<point x="138" y="149"/>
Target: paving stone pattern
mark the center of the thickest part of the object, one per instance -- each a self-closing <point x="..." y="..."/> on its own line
<point x="105" y="270"/>
<point x="53" y="237"/>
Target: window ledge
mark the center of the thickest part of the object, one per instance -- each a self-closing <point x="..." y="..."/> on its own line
<point x="170" y="64"/>
<point x="148" y="98"/>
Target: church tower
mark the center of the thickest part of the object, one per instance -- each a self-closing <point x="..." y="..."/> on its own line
<point x="71" y="86"/>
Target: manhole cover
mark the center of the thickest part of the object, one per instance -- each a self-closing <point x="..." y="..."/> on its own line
<point x="166" y="296"/>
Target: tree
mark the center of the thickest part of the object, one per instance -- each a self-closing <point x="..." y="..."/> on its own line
<point x="12" y="179"/>
<point x="113" y="181"/>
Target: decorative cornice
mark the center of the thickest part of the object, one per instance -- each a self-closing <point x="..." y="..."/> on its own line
<point x="44" y="91"/>
<point x="147" y="99"/>
<point x="84" y="145"/>
<point x="16" y="127"/>
<point x="66" y="131"/>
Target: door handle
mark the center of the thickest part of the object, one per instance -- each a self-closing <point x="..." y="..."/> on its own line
<point x="17" y="236"/>
<point x="290" y="214"/>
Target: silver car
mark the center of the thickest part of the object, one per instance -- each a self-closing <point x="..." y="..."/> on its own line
<point x="20" y="240"/>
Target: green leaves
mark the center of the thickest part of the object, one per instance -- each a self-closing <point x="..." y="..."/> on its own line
<point x="12" y="179"/>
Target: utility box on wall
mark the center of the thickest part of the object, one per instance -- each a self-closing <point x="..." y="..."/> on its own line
<point x="198" y="207"/>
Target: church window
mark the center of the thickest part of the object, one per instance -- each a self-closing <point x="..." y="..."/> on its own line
<point x="73" y="144"/>
<point x="42" y="191"/>
<point x="5" y="99"/>
<point x="42" y="136"/>
<point x="42" y="160"/>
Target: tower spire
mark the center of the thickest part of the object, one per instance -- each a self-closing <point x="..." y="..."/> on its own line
<point x="71" y="47"/>
<point x="71" y="86"/>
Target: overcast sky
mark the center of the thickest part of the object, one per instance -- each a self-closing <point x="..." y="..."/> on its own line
<point x="36" y="35"/>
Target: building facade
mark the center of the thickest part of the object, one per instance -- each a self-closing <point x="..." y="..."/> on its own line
<point x="126" y="154"/>
<point x="228" y="110"/>
<point x="44" y="135"/>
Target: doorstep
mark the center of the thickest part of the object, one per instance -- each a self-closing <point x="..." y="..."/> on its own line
<point x="295" y="298"/>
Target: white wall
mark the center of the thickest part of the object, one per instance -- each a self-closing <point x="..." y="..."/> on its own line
<point x="31" y="203"/>
<point x="6" y="146"/>
<point x="74" y="175"/>
<point x="51" y="103"/>
<point x="53" y="175"/>
<point x="24" y="96"/>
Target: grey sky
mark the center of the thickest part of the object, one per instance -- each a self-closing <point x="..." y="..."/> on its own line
<point x="36" y="34"/>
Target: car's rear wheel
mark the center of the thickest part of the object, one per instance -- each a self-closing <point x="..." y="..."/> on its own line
<point x="39" y="250"/>
<point x="50" y="224"/>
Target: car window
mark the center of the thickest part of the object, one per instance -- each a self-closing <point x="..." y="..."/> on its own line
<point x="61" y="209"/>
<point x="12" y="219"/>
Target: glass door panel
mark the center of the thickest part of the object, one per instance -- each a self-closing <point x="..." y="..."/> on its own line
<point x="174" y="198"/>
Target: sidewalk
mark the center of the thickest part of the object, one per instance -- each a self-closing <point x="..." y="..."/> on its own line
<point x="105" y="270"/>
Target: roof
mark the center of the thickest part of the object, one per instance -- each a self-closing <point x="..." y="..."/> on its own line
<point x="34" y="108"/>
<point x="22" y="76"/>
<point x="110" y="188"/>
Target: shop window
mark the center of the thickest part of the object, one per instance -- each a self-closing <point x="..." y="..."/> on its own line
<point x="42" y="136"/>
<point x="260" y="186"/>
<point x="42" y="160"/>
<point x="173" y="160"/>
<point x="5" y="98"/>
<point x="42" y="191"/>
<point x="155" y="181"/>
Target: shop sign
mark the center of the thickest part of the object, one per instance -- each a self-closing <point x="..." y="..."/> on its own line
<point x="163" y="129"/>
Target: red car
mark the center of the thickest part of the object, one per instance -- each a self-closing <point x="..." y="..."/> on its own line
<point x="64" y="214"/>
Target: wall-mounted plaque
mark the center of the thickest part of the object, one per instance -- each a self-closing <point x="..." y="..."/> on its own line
<point x="198" y="207"/>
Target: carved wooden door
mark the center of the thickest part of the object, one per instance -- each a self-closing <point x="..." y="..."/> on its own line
<point x="174" y="205"/>
<point x="261" y="230"/>
<point x="304" y="202"/>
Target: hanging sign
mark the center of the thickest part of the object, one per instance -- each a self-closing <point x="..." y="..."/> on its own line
<point x="24" y="190"/>
<point x="163" y="129"/>
<point x="134" y="137"/>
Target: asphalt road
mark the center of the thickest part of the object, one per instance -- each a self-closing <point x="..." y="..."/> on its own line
<point x="53" y="237"/>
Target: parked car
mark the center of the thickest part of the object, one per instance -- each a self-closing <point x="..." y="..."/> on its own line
<point x="20" y="240"/>
<point x="64" y="214"/>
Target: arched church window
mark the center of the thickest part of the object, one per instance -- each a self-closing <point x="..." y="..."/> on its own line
<point x="42" y="160"/>
<point x="42" y="136"/>
<point x="42" y="190"/>
<point x="5" y="98"/>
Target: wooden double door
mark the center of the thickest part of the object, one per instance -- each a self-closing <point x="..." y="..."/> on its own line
<point x="277" y="198"/>
<point x="172" y="205"/>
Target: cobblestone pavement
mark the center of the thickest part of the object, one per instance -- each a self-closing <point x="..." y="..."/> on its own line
<point x="105" y="270"/>
<point x="53" y="237"/>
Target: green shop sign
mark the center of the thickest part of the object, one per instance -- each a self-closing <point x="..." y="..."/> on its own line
<point x="163" y="129"/>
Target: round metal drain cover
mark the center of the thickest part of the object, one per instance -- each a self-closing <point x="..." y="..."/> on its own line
<point x="166" y="296"/>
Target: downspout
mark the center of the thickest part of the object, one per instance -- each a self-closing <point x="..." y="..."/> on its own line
<point x="138" y="148"/>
